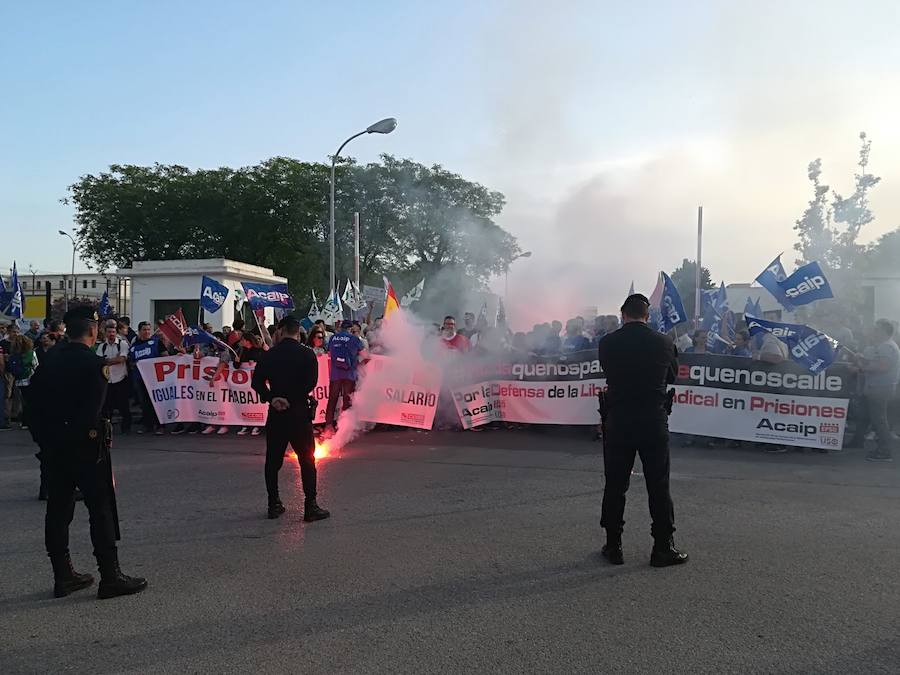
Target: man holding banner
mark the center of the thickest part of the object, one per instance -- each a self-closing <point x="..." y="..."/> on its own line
<point x="639" y="364"/>
<point x="284" y="378"/>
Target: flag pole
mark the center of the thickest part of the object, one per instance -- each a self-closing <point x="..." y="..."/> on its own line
<point x="699" y="272"/>
<point x="355" y="256"/>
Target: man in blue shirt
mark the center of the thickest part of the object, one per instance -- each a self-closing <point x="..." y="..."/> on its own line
<point x="344" y="350"/>
<point x="146" y="346"/>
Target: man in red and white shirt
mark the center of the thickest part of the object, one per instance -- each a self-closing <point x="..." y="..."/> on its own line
<point x="451" y="339"/>
<point x="114" y="349"/>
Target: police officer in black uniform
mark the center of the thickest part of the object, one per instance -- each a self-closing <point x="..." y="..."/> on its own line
<point x="284" y="378"/>
<point x="69" y="389"/>
<point x="639" y="364"/>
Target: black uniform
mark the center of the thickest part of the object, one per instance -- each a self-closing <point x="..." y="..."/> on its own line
<point x="69" y="389"/>
<point x="289" y="370"/>
<point x="639" y="364"/>
<point x="69" y="392"/>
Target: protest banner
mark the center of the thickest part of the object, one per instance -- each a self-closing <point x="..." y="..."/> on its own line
<point x="533" y="390"/>
<point x="719" y="396"/>
<point x="402" y="392"/>
<point x="180" y="390"/>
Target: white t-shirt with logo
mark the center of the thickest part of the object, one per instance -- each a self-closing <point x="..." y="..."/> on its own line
<point x="108" y="350"/>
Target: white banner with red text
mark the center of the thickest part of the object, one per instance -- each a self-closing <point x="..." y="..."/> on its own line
<point x="181" y="390"/>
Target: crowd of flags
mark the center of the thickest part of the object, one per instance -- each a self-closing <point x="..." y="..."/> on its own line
<point x="808" y="283"/>
<point x="213" y="295"/>
<point x="807" y="346"/>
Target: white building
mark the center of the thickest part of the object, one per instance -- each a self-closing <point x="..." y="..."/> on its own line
<point x="737" y="295"/>
<point x="159" y="287"/>
<point x="89" y="285"/>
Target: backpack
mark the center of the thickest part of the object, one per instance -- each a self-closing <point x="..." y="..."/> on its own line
<point x="18" y="368"/>
<point x="341" y="355"/>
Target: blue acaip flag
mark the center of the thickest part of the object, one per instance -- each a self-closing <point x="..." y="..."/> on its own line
<point x="104" y="309"/>
<point x="212" y="295"/>
<point x="14" y="308"/>
<point x="268" y="295"/>
<point x="808" y="347"/>
<point x="671" y="308"/>
<point x="807" y="284"/>
<point x="770" y="279"/>
<point x="198" y="336"/>
<point x="752" y="308"/>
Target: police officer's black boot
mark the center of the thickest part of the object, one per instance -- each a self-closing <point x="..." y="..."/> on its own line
<point x="612" y="551"/>
<point x="276" y="508"/>
<point x="112" y="582"/>
<point x="312" y="511"/>
<point x="65" y="579"/>
<point x="665" y="554"/>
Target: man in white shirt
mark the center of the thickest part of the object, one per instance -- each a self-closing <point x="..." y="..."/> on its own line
<point x="881" y="365"/>
<point x="114" y="349"/>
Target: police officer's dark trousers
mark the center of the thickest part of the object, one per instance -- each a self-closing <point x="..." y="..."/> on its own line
<point x="63" y="476"/>
<point x="646" y="433"/>
<point x="283" y="428"/>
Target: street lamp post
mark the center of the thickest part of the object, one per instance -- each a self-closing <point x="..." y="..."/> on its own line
<point x="66" y="234"/>
<point x="526" y="254"/>
<point x="384" y="126"/>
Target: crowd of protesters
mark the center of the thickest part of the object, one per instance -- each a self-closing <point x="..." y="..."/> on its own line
<point x="872" y="354"/>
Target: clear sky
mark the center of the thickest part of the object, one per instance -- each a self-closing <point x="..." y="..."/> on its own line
<point x="605" y="124"/>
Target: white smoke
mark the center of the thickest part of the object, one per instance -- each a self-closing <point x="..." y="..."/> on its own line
<point x="404" y="336"/>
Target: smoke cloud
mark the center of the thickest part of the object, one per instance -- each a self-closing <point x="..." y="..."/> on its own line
<point x="609" y="131"/>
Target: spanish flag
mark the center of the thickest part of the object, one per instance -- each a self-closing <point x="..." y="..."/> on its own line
<point x="391" y="304"/>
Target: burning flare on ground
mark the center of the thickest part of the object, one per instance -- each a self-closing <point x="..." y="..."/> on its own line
<point x="321" y="452"/>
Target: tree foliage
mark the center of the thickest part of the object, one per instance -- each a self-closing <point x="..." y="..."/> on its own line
<point x="883" y="257"/>
<point x="814" y="229"/>
<point x="685" y="280"/>
<point x="58" y="306"/>
<point x="830" y="233"/>
<point x="853" y="211"/>
<point x="415" y="219"/>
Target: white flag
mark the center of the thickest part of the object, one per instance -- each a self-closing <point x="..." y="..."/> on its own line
<point x="314" y="312"/>
<point x="414" y="295"/>
<point x="240" y="298"/>
<point x="353" y="297"/>
<point x="333" y="310"/>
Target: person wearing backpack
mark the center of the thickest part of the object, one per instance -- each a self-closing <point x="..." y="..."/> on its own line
<point x="6" y="378"/>
<point x="344" y="350"/>
<point x="20" y="365"/>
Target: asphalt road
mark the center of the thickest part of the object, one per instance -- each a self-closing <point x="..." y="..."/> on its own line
<point x="462" y="552"/>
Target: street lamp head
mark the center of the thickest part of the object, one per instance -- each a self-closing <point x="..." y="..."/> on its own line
<point x="385" y="126"/>
<point x="65" y="234"/>
<point x="527" y="254"/>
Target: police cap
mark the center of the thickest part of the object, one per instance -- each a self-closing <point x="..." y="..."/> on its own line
<point x="636" y="306"/>
<point x="290" y="323"/>
<point x="78" y="314"/>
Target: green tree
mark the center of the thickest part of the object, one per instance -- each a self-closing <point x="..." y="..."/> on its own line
<point x="853" y="211"/>
<point x="685" y="280"/>
<point x="883" y="256"/>
<point x="415" y="220"/>
<point x="814" y="230"/>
